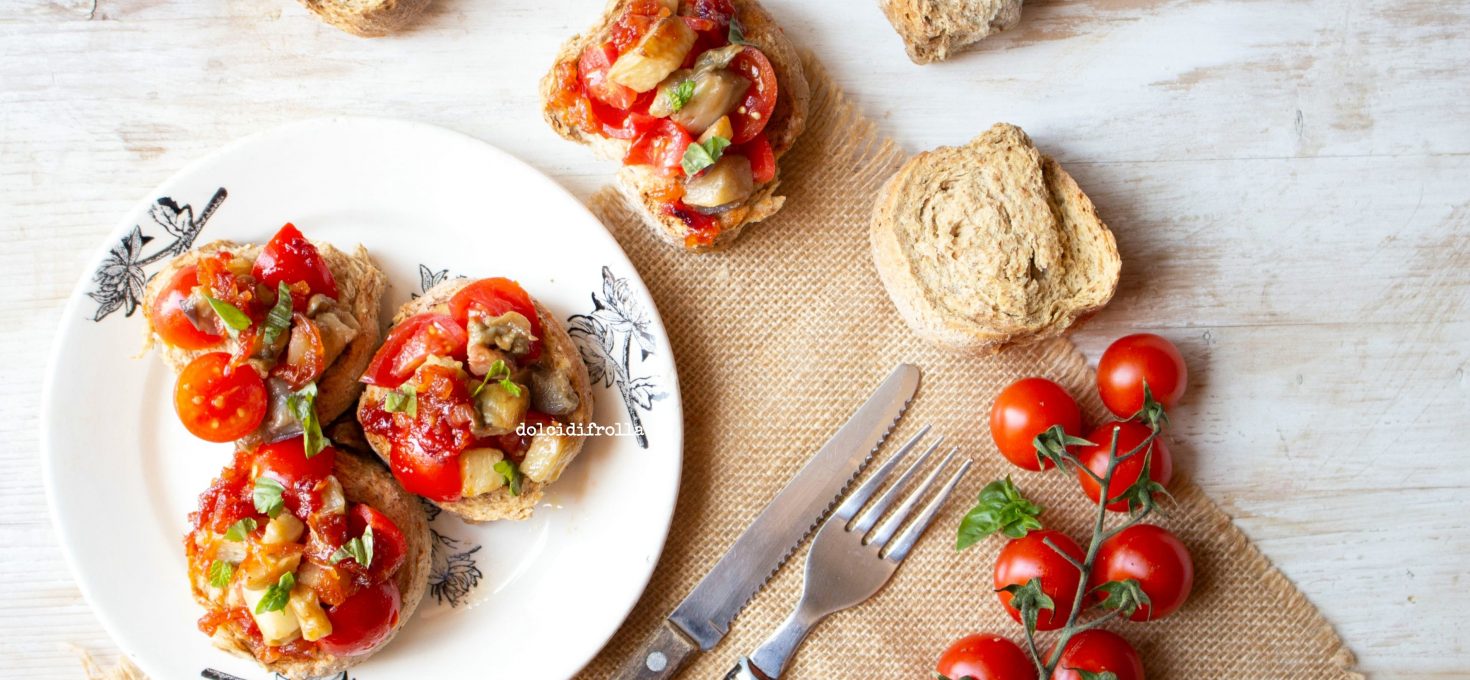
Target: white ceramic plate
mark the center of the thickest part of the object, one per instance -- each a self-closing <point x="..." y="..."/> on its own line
<point x="534" y="599"/>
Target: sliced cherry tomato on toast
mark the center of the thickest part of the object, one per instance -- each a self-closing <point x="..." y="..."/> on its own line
<point x="289" y="257"/>
<point x="168" y="316"/>
<point x="426" y="446"/>
<point x="592" y="66"/>
<point x="217" y="403"/>
<point x="661" y="147"/>
<point x="285" y="461"/>
<point x="1025" y="409"/>
<point x="297" y="371"/>
<point x="762" y="158"/>
<point x="750" y="117"/>
<point x="410" y="343"/>
<point x="492" y="297"/>
<point x="364" y="621"/>
<point x="1131" y="434"/>
<point x="389" y="547"/>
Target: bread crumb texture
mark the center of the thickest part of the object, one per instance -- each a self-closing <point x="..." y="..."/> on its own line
<point x="367" y="18"/>
<point x="932" y="30"/>
<point x="991" y="244"/>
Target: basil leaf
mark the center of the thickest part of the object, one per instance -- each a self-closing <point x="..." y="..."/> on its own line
<point x="235" y="320"/>
<point x="403" y="400"/>
<point x="279" y="318"/>
<point x="302" y="404"/>
<point x="267" y="496"/>
<point x="277" y="595"/>
<point x="499" y="373"/>
<point x="1001" y="508"/>
<point x="680" y="94"/>
<point x="240" y="530"/>
<point x="737" y="32"/>
<point x="360" y="549"/>
<point x="511" y="475"/>
<point x="220" y="573"/>
<point x="701" y="155"/>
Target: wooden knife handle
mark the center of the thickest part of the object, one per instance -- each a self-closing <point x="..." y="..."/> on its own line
<point x="665" y="653"/>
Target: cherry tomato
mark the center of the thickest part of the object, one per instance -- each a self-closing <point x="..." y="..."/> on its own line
<point x="662" y="147"/>
<point x="286" y="462"/>
<point x="1134" y="360"/>
<point x="300" y="370"/>
<point x="410" y="343"/>
<point x="1098" y="651"/>
<point x="168" y="316"/>
<point x="985" y="657"/>
<point x="217" y="274"/>
<point x="289" y="257"/>
<point x="1131" y="434"/>
<point x="426" y="446"/>
<point x="751" y="116"/>
<point x="362" y="622"/>
<point x="1029" y="557"/>
<point x="762" y="158"/>
<point x="592" y="66"/>
<point x="217" y="404"/>
<point x="1156" y="559"/>
<point x="389" y="547"/>
<point x="1025" y="409"/>
<point x="491" y="298"/>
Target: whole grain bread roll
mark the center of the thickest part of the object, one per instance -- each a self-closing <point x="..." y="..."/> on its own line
<point x="640" y="184"/>
<point x="991" y="244"/>
<point x="932" y="30"/>
<point x="367" y="18"/>
<point x="557" y="350"/>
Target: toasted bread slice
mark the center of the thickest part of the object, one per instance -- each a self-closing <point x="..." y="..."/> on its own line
<point x="363" y="480"/>
<point x="640" y="183"/>
<point x="991" y="244"/>
<point x="558" y="349"/>
<point x="367" y="18"/>
<point x="360" y="288"/>
<point x="932" y="30"/>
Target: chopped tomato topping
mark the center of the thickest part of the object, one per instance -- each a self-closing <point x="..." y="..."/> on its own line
<point x="410" y="343"/>
<point x="289" y="257"/>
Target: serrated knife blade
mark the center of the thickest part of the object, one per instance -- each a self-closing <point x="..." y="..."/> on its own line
<point x="703" y="618"/>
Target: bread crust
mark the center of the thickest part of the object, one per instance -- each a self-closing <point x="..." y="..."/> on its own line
<point x="364" y="481"/>
<point x="1046" y="260"/>
<point x="367" y="18"/>
<point x="640" y="184"/>
<point x="359" y="289"/>
<point x="932" y="30"/>
<point x="557" y="347"/>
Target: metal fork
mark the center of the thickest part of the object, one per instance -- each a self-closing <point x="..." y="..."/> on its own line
<point x="850" y="561"/>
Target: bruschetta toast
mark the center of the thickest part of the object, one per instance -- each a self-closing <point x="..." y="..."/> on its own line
<point x="308" y="565"/>
<point x="699" y="99"/>
<point x="249" y="327"/>
<point x="477" y="399"/>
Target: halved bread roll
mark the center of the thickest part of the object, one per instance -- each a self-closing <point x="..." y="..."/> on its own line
<point x="991" y="244"/>
<point x="559" y="359"/>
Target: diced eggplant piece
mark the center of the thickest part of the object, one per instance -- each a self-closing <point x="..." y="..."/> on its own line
<point x="279" y="423"/>
<point x="276" y="627"/>
<point x="309" y="613"/>
<point x="333" y="501"/>
<point x="509" y="332"/>
<point x="337" y="327"/>
<point x="663" y="101"/>
<point x="552" y="391"/>
<point x="716" y="93"/>
<point x="197" y="310"/>
<point x="499" y="409"/>
<point x="727" y="181"/>
<point x="477" y="471"/>
<point x="661" y="51"/>
<point x="717" y="58"/>
<point x="547" y="456"/>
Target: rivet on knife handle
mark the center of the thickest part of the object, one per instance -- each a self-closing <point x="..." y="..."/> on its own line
<point x="663" y="655"/>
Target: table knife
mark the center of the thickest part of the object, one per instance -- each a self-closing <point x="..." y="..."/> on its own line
<point x="703" y="618"/>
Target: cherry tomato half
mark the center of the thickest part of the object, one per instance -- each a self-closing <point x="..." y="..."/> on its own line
<point x="754" y="111"/>
<point x="289" y="257"/>
<point x="762" y="158"/>
<point x="410" y="343"/>
<point x="1029" y="557"/>
<point x="1134" y="360"/>
<point x="1098" y="651"/>
<point x="426" y="446"/>
<point x="362" y="622"/>
<point x="495" y="296"/>
<point x="1154" y="557"/>
<point x="592" y="67"/>
<point x="985" y="657"/>
<point x="285" y="461"/>
<point x="662" y="147"/>
<point x="1025" y="409"/>
<point x="1131" y="434"/>
<point x="389" y="547"/>
<point x="168" y="316"/>
<point x="216" y="403"/>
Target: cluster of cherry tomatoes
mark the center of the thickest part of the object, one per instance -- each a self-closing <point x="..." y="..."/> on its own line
<point x="1139" y="378"/>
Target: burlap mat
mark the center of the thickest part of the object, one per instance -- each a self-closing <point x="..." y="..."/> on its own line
<point x="780" y="337"/>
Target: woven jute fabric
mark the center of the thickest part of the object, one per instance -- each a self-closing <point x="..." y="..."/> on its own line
<point x="781" y="336"/>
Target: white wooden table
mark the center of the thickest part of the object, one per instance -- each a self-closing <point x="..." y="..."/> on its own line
<point x="1289" y="181"/>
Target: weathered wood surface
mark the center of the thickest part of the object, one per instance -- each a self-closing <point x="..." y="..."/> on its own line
<point x="1289" y="181"/>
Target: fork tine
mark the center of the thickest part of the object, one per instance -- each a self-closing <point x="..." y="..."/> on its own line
<point x="890" y="526"/>
<point x="875" y="512"/>
<point x="859" y="497"/>
<point x="901" y="547"/>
